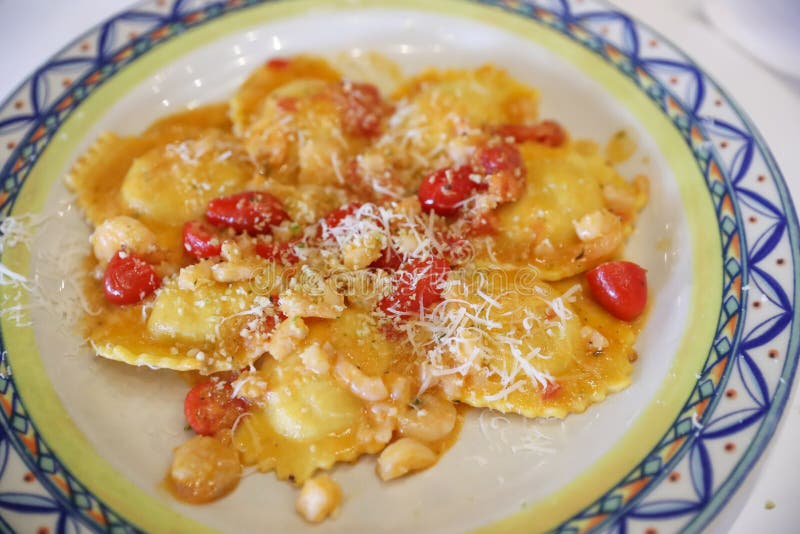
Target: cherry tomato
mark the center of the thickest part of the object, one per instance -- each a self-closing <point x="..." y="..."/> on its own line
<point x="334" y="218"/>
<point x="278" y="63"/>
<point x="389" y="260"/>
<point x="505" y="169"/>
<point x="210" y="407"/>
<point x="278" y="252"/>
<point x="620" y="287"/>
<point x="251" y="211"/>
<point x="363" y="109"/>
<point x="201" y="240"/>
<point x="444" y="191"/>
<point x="419" y="285"/>
<point x="129" y="279"/>
<point x="498" y="158"/>
<point x="548" y="133"/>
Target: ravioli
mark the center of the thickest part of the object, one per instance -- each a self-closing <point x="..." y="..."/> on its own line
<point x="197" y="327"/>
<point x="246" y="105"/>
<point x="309" y="130"/>
<point x="305" y="144"/>
<point x="310" y="421"/>
<point x="98" y="174"/>
<point x="289" y="124"/>
<point x="440" y="117"/>
<point x="187" y="174"/>
<point x="445" y="101"/>
<point x="369" y="67"/>
<point x="208" y="117"/>
<point x="356" y="335"/>
<point x="564" y="184"/>
<point x="523" y="346"/>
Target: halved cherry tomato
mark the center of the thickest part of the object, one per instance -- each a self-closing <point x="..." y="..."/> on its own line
<point x="210" y="407"/>
<point x="363" y="109"/>
<point x="620" y="287"/>
<point x="278" y="63"/>
<point x="444" y="191"/>
<point x="505" y="169"/>
<point x="497" y="158"/>
<point x="278" y="252"/>
<point x="201" y="240"/>
<point x="419" y="285"/>
<point x="251" y="211"/>
<point x="389" y="260"/>
<point x="334" y="218"/>
<point x="548" y="133"/>
<point x="128" y="279"/>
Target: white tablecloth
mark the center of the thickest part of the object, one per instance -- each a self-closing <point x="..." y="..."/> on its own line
<point x="32" y="30"/>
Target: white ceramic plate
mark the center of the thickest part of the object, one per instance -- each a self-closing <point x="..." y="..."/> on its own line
<point x="719" y="239"/>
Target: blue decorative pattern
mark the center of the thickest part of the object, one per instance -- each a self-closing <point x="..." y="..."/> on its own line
<point x="754" y="353"/>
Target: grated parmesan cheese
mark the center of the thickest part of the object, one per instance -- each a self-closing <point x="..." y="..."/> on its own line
<point x="53" y="286"/>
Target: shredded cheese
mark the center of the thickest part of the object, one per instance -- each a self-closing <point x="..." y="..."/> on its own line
<point x="53" y="286"/>
<point x="462" y="336"/>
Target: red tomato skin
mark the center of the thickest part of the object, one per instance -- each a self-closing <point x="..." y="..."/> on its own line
<point x="201" y="240"/>
<point x="505" y="170"/>
<point x="549" y="133"/>
<point x="443" y="191"/>
<point x="413" y="291"/>
<point x="389" y="260"/>
<point x="254" y="212"/>
<point x="620" y="287"/>
<point x="128" y="279"/>
<point x="278" y="252"/>
<point x="363" y="109"/>
<point x="334" y="218"/>
<point x="498" y="158"/>
<point x="210" y="407"/>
